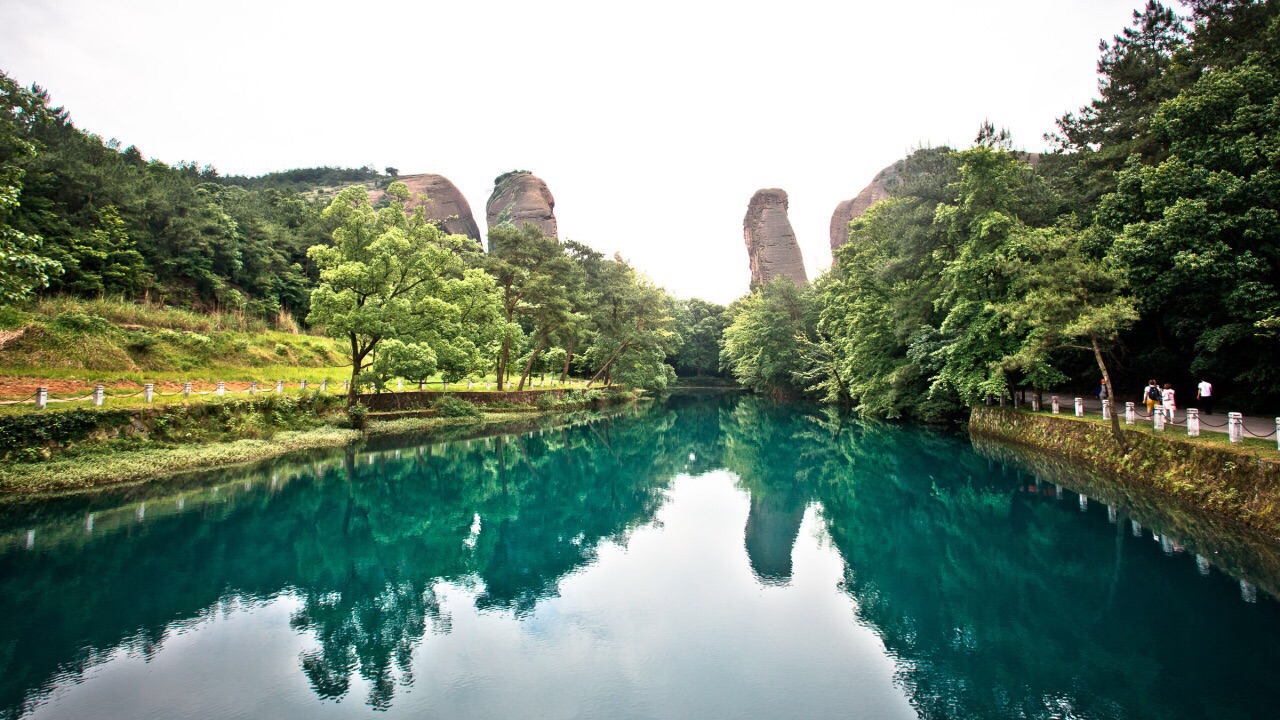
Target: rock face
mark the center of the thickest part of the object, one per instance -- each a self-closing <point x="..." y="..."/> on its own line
<point x="521" y="197"/>
<point x="770" y="537"/>
<point x="878" y="190"/>
<point x="444" y="203"/>
<point x="848" y="210"/>
<point x="771" y="243"/>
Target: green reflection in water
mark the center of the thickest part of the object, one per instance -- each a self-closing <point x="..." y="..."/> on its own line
<point x="995" y="597"/>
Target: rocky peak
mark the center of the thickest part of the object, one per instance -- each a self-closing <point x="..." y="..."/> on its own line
<point x="521" y="197"/>
<point x="443" y="203"/>
<point x="771" y="243"/>
<point x="849" y="210"/>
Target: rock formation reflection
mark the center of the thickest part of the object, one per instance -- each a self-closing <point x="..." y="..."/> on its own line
<point x="998" y="591"/>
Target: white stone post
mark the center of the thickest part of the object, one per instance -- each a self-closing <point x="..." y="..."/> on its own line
<point x="488" y="386"/>
<point x="1159" y="419"/>
<point x="422" y="385"/>
<point x="1130" y="414"/>
<point x="1248" y="592"/>
<point x="222" y="388"/>
<point x="1079" y="407"/>
<point x="1235" y="427"/>
<point x="1054" y="404"/>
<point x="1002" y="400"/>
<point x="1035" y="403"/>
<point x="147" y="391"/>
<point x="302" y="384"/>
<point x="186" y="389"/>
<point x="1106" y="409"/>
<point x="279" y="386"/>
<point x="253" y="387"/>
<point x="345" y="385"/>
<point x="97" y="395"/>
<point x="42" y="397"/>
<point x="399" y="384"/>
<point x="1193" y="422"/>
<point x="468" y="385"/>
<point x="1084" y="502"/>
<point x="324" y="384"/>
<point x="446" y="386"/>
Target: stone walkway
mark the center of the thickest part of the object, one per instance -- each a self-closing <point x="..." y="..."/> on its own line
<point x="1256" y="427"/>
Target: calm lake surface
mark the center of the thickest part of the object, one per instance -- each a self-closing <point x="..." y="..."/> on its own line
<point x="707" y="556"/>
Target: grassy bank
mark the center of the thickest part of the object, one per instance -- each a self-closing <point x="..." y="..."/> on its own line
<point x="1240" y="483"/>
<point x="68" y="345"/>
<point x="118" y="447"/>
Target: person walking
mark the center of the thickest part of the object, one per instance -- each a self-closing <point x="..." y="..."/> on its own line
<point x="1204" y="396"/>
<point x="1167" y="400"/>
<point x="1152" y="396"/>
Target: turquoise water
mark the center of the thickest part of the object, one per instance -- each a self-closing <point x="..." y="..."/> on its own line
<point x="712" y="556"/>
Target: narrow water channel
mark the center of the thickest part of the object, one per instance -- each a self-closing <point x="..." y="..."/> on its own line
<point x="705" y="556"/>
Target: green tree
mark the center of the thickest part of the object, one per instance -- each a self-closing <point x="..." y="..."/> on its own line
<point x="761" y="348"/>
<point x="522" y="262"/>
<point x="1065" y="298"/>
<point x="383" y="276"/>
<point x="22" y="266"/>
<point x="701" y="327"/>
<point x="1197" y="234"/>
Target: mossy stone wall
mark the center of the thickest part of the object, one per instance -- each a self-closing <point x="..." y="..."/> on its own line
<point x="1217" y="480"/>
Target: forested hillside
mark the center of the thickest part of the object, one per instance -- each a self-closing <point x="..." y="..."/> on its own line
<point x="84" y="217"/>
<point x="1146" y="244"/>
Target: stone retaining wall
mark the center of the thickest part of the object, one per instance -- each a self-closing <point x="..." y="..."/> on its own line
<point x="389" y="401"/>
<point x="1220" y="480"/>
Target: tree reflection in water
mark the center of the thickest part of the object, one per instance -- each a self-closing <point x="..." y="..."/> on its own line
<point x="994" y="601"/>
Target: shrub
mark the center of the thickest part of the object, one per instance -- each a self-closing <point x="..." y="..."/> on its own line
<point x="357" y="416"/>
<point x="281" y="350"/>
<point x="11" y="317"/>
<point x="546" y="401"/>
<point x="449" y="406"/>
<point x="77" y="321"/>
<point x="141" y="341"/>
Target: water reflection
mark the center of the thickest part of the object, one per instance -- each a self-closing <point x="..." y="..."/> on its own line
<point x="997" y="586"/>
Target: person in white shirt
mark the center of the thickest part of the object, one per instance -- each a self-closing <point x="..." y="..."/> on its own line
<point x="1167" y="402"/>
<point x="1204" y="395"/>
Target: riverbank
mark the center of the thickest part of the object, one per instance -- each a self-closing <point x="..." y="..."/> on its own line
<point x="1237" y="483"/>
<point x="107" y="463"/>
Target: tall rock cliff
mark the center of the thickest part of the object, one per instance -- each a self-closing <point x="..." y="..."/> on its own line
<point x="878" y="190"/>
<point x="444" y="203"/>
<point x="848" y="210"/>
<point x="521" y="197"/>
<point x="771" y="243"/>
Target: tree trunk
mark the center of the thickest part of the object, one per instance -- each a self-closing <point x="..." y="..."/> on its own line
<point x="608" y="362"/>
<point x="529" y="365"/>
<point x="568" y="358"/>
<point x="357" y="359"/>
<point x="1111" y="394"/>
<point x="502" y="361"/>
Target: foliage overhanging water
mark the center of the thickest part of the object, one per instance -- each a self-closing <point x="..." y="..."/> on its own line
<point x="706" y="556"/>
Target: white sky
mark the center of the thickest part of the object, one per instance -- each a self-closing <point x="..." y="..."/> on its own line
<point x="652" y="123"/>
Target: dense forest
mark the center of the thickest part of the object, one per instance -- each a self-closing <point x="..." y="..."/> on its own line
<point x="86" y="217"/>
<point x="1145" y="244"/>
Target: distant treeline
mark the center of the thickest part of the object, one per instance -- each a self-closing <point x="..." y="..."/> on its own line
<point x="1145" y="245"/>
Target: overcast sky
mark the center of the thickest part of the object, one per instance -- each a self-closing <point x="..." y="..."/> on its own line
<point x="652" y="123"/>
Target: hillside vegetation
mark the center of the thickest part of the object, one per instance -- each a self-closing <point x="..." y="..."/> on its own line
<point x="1146" y="244"/>
<point x="81" y="342"/>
